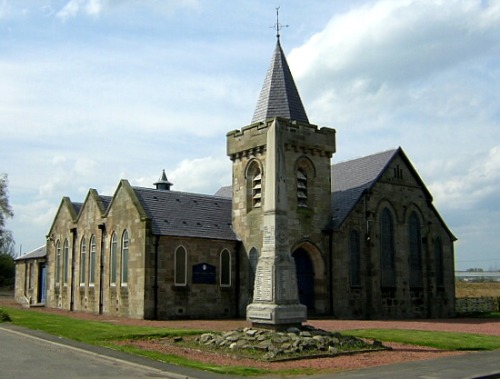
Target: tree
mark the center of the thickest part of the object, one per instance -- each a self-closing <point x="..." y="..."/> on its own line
<point x="5" y="209"/>
<point x="7" y="266"/>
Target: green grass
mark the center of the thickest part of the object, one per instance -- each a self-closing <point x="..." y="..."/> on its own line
<point x="104" y="333"/>
<point x="439" y="340"/>
<point x="91" y="332"/>
<point x="107" y="333"/>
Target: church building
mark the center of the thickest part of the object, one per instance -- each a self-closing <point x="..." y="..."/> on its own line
<point x="364" y="234"/>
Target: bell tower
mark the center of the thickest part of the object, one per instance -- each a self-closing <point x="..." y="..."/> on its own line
<point x="281" y="193"/>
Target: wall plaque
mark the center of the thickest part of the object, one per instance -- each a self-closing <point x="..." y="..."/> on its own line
<point x="203" y="273"/>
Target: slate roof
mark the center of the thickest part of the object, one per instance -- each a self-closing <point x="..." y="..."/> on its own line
<point x="351" y="178"/>
<point x="279" y="96"/>
<point x="226" y="191"/>
<point x="37" y="253"/>
<point x="77" y="206"/>
<point x="105" y="201"/>
<point x="186" y="214"/>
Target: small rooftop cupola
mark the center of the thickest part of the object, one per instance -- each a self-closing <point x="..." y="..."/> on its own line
<point x="163" y="184"/>
<point x="279" y="96"/>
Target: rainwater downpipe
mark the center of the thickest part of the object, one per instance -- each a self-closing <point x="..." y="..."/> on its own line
<point x="330" y="269"/>
<point x="367" y="249"/>
<point x="237" y="280"/>
<point x="102" y="228"/>
<point x="155" y="286"/>
<point x="72" y="284"/>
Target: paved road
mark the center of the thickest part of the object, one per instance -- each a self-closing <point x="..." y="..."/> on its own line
<point x="31" y="354"/>
<point x="26" y="356"/>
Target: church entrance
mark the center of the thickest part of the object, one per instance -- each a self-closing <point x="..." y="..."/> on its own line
<point x="305" y="277"/>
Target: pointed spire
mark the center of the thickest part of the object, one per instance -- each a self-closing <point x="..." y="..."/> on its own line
<point x="163" y="183"/>
<point x="279" y="96"/>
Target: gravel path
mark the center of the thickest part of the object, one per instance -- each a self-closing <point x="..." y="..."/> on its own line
<point x="400" y="353"/>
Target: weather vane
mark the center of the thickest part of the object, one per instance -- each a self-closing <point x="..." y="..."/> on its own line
<point x="278" y="26"/>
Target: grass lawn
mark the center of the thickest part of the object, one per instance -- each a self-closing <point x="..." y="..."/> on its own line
<point x="104" y="333"/>
<point x="438" y="340"/>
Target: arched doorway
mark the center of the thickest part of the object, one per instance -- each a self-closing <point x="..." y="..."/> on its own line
<point x="305" y="277"/>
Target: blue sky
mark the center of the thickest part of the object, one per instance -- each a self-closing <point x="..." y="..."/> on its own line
<point x="94" y="91"/>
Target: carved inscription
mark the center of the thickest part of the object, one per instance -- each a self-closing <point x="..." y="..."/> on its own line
<point x="286" y="285"/>
<point x="264" y="315"/>
<point x="263" y="283"/>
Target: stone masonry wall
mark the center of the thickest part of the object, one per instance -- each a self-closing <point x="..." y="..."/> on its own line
<point x="370" y="299"/>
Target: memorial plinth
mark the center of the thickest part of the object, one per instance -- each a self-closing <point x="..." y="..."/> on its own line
<point x="275" y="300"/>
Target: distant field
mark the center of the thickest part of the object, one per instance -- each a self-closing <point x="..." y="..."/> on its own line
<point x="477" y="289"/>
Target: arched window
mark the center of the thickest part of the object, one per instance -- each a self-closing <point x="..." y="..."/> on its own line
<point x="438" y="251"/>
<point x="301" y="188"/>
<point x="124" y="268"/>
<point x="58" y="262"/>
<point x="253" y="259"/>
<point x="180" y="265"/>
<point x="387" y="253"/>
<point x="112" y="258"/>
<point x="225" y="268"/>
<point x="254" y="185"/>
<point x="415" y="251"/>
<point x="257" y="190"/>
<point x="66" y="260"/>
<point x="92" y="260"/>
<point x="83" y="261"/>
<point x="355" y="258"/>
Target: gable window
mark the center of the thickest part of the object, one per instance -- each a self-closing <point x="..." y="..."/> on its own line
<point x="398" y="172"/>
<point x="92" y="260"/>
<point x="438" y="251"/>
<point x="180" y="265"/>
<point x="58" y="262"/>
<point x="225" y="268"/>
<point x="112" y="260"/>
<point x="83" y="261"/>
<point x="124" y="268"/>
<point x="415" y="251"/>
<point x="301" y="188"/>
<point x="387" y="253"/>
<point x="355" y="259"/>
<point x="66" y="260"/>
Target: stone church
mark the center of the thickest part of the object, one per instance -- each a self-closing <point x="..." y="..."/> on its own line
<point x="366" y="240"/>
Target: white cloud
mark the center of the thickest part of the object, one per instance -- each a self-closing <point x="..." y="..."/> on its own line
<point x="385" y="54"/>
<point x="470" y="181"/>
<point x="94" y="8"/>
<point x="68" y="175"/>
<point x="74" y="7"/>
<point x="205" y="175"/>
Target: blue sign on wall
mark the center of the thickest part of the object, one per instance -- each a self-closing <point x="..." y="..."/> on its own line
<point x="203" y="273"/>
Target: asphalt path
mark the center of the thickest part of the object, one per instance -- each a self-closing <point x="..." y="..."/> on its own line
<point x="30" y="357"/>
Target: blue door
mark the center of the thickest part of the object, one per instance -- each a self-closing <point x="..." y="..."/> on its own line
<point x="305" y="277"/>
<point x="42" y="277"/>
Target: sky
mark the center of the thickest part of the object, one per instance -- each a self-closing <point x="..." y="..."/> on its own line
<point x="94" y="91"/>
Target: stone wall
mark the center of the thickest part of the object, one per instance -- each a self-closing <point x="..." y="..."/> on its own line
<point x="468" y="305"/>
<point x="205" y="298"/>
<point x="27" y="286"/>
<point x="402" y="196"/>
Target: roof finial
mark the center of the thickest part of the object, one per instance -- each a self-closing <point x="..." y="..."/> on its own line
<point x="278" y="26"/>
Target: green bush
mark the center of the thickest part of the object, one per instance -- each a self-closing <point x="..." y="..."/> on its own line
<point x="4" y="316"/>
